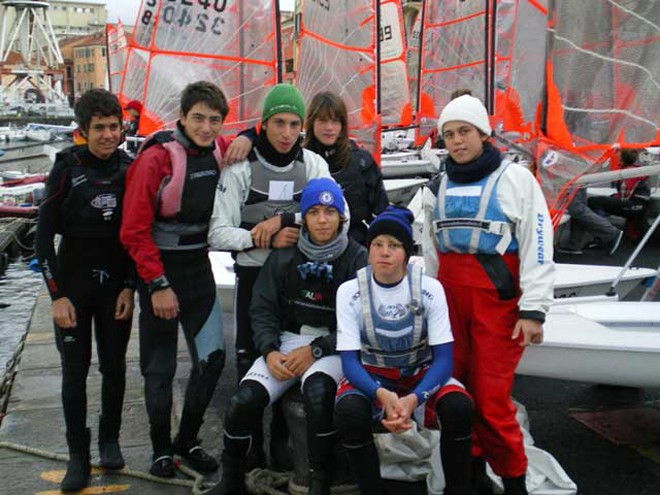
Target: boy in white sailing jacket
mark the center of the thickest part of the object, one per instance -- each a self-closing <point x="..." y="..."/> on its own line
<point x="489" y="225"/>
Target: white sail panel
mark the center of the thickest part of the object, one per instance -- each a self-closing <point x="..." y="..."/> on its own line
<point x="337" y="50"/>
<point x="453" y="49"/>
<point x="231" y="43"/>
<point x="394" y="92"/>
<point x="117" y="51"/>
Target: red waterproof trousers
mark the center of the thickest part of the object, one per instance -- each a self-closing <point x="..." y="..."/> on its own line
<point x="485" y="357"/>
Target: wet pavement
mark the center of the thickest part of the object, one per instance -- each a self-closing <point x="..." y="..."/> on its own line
<point x="606" y="438"/>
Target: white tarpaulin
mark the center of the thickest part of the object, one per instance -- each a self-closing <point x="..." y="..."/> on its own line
<point x="406" y="457"/>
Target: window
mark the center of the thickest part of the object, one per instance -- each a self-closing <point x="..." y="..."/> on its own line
<point x="103" y="52"/>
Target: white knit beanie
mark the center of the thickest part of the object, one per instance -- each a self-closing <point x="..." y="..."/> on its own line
<point x="468" y="109"/>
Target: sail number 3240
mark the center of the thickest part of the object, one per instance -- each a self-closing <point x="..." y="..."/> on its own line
<point x="169" y="14"/>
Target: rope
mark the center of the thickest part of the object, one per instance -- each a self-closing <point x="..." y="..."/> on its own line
<point x="15" y="237"/>
<point x="197" y="485"/>
<point x="266" y="482"/>
<point x="258" y="481"/>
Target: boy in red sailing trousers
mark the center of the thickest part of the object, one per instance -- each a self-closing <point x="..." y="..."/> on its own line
<point x="489" y="225"/>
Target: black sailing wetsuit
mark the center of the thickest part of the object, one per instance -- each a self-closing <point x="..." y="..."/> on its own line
<point x="83" y="203"/>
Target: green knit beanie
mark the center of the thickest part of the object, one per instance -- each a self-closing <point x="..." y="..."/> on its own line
<point x="283" y="98"/>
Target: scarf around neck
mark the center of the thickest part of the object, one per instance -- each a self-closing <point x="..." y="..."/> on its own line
<point x="475" y="170"/>
<point x="328" y="252"/>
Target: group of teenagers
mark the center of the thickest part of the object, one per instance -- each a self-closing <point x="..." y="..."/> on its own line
<point x="325" y="297"/>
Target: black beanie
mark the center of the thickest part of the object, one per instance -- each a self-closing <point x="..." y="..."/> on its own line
<point x="397" y="222"/>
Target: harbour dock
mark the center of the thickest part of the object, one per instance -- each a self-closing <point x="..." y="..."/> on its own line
<point x="606" y="438"/>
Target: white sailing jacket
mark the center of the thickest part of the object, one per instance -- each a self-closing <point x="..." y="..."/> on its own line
<point x="225" y="233"/>
<point x="522" y="202"/>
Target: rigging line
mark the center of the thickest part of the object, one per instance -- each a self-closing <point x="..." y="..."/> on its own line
<point x="457" y="20"/>
<point x="603" y="57"/>
<point x="611" y="110"/>
<point x="454" y="67"/>
<point x="634" y="14"/>
<point x="327" y="41"/>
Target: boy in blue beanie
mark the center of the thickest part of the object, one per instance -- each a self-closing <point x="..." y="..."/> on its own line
<point x="294" y="330"/>
<point x="257" y="209"/>
<point x="395" y="344"/>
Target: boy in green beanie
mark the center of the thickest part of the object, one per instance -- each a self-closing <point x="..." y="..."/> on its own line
<point x="257" y="206"/>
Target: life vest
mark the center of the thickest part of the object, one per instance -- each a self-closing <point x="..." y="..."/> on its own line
<point x="469" y="217"/>
<point x="401" y="343"/>
<point x="93" y="205"/>
<point x="262" y="202"/>
<point x="185" y="198"/>
<point x="310" y="290"/>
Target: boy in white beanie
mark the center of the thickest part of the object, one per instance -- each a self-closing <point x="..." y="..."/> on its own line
<point x="488" y="223"/>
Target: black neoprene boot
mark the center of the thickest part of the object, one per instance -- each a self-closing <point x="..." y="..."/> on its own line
<point x="480" y="482"/>
<point x="233" y="467"/>
<point x="363" y="460"/>
<point x="515" y="486"/>
<point x="233" y="477"/>
<point x="78" y="469"/>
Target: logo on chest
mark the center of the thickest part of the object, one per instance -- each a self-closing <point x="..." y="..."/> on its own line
<point x="107" y="203"/>
<point x="392" y="311"/>
<point x="310" y="295"/>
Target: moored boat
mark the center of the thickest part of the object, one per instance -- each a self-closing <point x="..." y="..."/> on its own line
<point x="613" y="343"/>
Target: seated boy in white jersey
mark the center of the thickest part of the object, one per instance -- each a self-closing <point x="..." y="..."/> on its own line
<point x="292" y="312"/>
<point x="395" y="344"/>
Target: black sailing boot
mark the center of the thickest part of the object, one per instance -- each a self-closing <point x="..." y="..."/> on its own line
<point x="364" y="462"/>
<point x="233" y="467"/>
<point x="320" y="449"/>
<point x="109" y="450"/>
<point x="281" y="457"/>
<point x="515" y="486"/>
<point x="480" y="482"/>
<point x="78" y="468"/>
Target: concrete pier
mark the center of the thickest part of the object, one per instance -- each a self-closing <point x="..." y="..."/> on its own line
<point x="606" y="438"/>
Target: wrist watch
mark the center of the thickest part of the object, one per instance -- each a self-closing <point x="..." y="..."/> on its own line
<point x="157" y="284"/>
<point x="317" y="351"/>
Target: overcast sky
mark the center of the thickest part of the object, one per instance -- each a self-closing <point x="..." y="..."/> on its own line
<point x="126" y="10"/>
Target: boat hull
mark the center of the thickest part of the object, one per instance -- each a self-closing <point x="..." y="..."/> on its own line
<point x="613" y="343"/>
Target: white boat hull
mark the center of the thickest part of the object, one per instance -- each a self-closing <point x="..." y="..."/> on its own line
<point x="574" y="280"/>
<point x="613" y="343"/>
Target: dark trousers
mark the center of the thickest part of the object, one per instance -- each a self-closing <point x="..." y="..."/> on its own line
<point x="627" y="208"/>
<point x="191" y="279"/>
<point x="246" y="352"/>
<point x="93" y="291"/>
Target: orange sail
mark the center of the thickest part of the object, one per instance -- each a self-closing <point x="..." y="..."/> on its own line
<point x="231" y="43"/>
<point x="337" y="52"/>
<point x="117" y="49"/>
<point x="567" y="83"/>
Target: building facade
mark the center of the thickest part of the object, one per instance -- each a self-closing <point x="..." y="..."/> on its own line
<point x="73" y="18"/>
<point x="85" y="62"/>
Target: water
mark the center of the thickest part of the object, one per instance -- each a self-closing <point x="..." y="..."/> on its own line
<point x="18" y="290"/>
